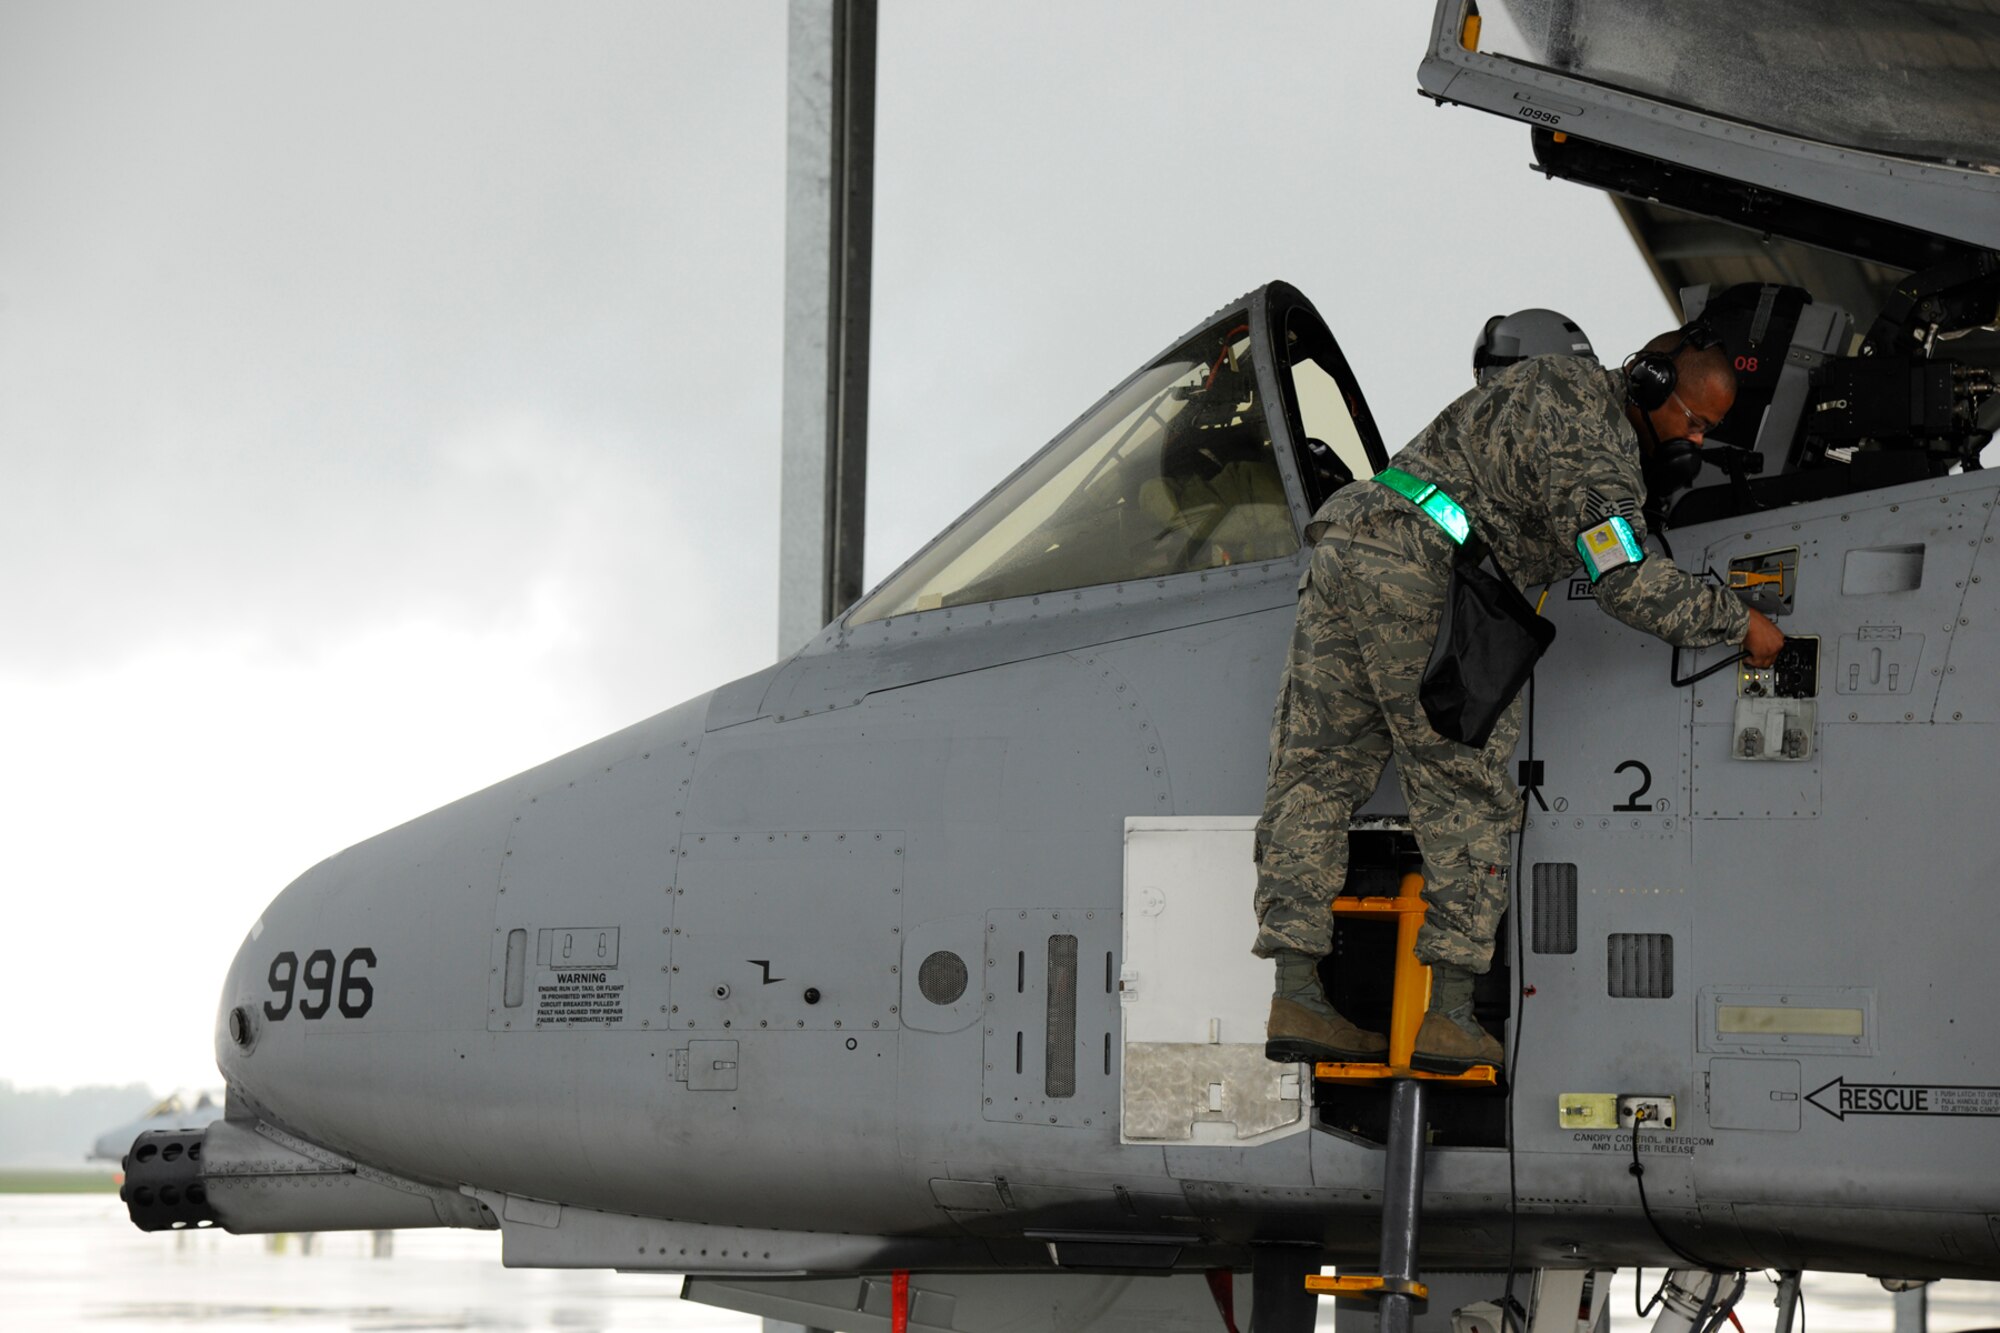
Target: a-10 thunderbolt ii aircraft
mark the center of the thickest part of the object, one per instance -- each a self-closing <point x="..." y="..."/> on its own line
<point x="911" y="975"/>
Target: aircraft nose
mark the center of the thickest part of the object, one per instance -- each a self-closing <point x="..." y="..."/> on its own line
<point x="242" y="1028"/>
<point x="339" y="985"/>
<point x="366" y="1008"/>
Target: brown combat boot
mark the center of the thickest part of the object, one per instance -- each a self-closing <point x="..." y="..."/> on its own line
<point x="1451" y="1040"/>
<point x="1305" y="1028"/>
<point x="1447" y="1045"/>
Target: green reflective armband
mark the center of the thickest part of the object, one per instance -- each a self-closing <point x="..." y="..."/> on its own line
<point x="1443" y="510"/>
<point x="1607" y="546"/>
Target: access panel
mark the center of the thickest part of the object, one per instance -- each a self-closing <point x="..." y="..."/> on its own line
<point x="1051" y="1009"/>
<point x="795" y="930"/>
<point x="584" y="909"/>
<point x="1193" y="997"/>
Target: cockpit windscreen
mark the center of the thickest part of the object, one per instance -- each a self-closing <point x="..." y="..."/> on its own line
<point x="1175" y="472"/>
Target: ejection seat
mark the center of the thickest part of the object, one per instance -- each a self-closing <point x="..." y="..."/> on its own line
<point x="1219" y="499"/>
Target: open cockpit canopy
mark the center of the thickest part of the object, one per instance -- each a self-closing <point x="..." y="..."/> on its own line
<point x="1213" y="454"/>
<point x="1878" y="111"/>
<point x="1903" y="78"/>
<point x="1821" y="177"/>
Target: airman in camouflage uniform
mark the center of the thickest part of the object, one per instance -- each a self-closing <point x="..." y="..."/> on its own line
<point x="1543" y="451"/>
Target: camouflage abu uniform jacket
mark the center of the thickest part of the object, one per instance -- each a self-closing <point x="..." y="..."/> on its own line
<point x="1543" y="452"/>
<point x="1536" y="456"/>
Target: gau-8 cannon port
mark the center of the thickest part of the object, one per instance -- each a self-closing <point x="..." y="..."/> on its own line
<point x="251" y="1177"/>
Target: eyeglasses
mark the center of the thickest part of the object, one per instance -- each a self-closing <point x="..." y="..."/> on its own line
<point x="1696" y="425"/>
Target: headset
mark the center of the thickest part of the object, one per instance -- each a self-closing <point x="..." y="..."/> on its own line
<point x="1650" y="378"/>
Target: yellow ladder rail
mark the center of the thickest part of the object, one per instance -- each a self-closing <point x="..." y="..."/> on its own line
<point x="1395" y="1292"/>
<point x="1410" y="996"/>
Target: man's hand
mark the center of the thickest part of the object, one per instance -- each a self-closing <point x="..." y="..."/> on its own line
<point x="1763" y="641"/>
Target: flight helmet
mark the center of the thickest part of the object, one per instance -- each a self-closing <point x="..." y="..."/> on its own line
<point x="1525" y="333"/>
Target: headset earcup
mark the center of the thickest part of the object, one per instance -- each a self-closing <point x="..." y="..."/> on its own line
<point x="1650" y="380"/>
<point x="1674" y="466"/>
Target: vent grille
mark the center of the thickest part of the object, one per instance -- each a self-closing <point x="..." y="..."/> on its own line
<point x="1555" y="907"/>
<point x="941" y="977"/>
<point x="1050" y="1049"/>
<point x="1059" y="1078"/>
<point x="517" y="967"/>
<point x="1640" y="967"/>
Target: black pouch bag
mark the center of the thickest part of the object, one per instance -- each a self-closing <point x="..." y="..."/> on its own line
<point x="1488" y="642"/>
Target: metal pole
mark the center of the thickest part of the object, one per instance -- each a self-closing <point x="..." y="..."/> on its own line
<point x="1402" y="1201"/>
<point x="1788" y="1299"/>
<point x="829" y="245"/>
<point x="1913" y="1309"/>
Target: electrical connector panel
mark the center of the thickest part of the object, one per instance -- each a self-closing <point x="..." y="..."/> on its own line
<point x="1795" y="675"/>
<point x="1652" y="1112"/>
<point x="1776" y="715"/>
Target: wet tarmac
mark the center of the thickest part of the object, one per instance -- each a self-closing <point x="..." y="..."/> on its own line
<point x="75" y="1262"/>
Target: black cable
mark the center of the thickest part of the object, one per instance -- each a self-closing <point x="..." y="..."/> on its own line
<point x="1725" y="1308"/>
<point x="1701" y="1324"/>
<point x="1727" y="1305"/>
<point x="1638" y="1173"/>
<point x="1674" y="674"/>
<point x="1700" y="1321"/>
<point x="1507" y="1306"/>
<point x="1674" y="671"/>
<point x="1638" y="1281"/>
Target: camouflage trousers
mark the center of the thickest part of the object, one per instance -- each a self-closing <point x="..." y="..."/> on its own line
<point x="1368" y="613"/>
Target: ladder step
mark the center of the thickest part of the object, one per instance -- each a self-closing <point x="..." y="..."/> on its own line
<point x="1406" y="904"/>
<point x="1365" y="1287"/>
<point x="1479" y="1076"/>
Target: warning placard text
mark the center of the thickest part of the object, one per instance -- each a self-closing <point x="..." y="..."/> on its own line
<point x="585" y="997"/>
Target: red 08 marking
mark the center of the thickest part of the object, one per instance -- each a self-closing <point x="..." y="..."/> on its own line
<point x="1748" y="363"/>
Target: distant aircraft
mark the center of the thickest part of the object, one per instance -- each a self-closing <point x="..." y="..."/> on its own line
<point x="911" y="974"/>
<point x="171" y="1112"/>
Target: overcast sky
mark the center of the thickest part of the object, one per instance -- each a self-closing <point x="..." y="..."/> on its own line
<point x="389" y="393"/>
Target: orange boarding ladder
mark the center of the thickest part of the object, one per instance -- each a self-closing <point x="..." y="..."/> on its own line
<point x="1397" y="1293"/>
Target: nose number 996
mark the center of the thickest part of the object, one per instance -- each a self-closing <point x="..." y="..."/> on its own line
<point x="355" y="993"/>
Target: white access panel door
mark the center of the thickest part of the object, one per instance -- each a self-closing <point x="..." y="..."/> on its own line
<point x="1192" y="996"/>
